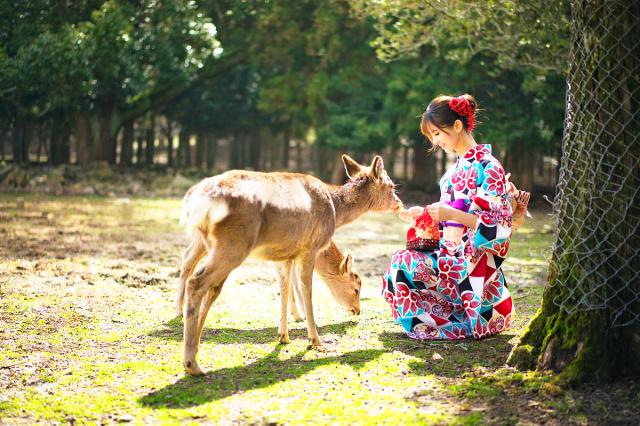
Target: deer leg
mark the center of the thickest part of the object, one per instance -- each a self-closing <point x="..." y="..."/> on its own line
<point x="190" y="259"/>
<point x="207" y="301"/>
<point x="208" y="279"/>
<point x="305" y="274"/>
<point x="284" y="271"/>
<point x="295" y="294"/>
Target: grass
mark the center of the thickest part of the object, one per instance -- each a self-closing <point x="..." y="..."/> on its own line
<point x="88" y="334"/>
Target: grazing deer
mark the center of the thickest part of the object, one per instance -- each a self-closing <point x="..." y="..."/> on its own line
<point x="336" y="272"/>
<point x="283" y="217"/>
<point x="334" y="269"/>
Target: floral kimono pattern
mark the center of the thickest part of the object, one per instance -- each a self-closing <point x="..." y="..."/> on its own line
<point x="458" y="291"/>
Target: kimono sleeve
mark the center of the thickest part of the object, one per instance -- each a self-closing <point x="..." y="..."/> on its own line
<point x="491" y="205"/>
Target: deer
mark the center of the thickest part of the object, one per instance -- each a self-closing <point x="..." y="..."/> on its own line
<point x="333" y="268"/>
<point x="288" y="218"/>
<point x="336" y="271"/>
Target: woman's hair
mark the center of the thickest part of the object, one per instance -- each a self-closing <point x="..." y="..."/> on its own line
<point x="440" y="114"/>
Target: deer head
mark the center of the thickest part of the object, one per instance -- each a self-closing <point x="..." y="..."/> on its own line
<point x="374" y="184"/>
<point x="343" y="282"/>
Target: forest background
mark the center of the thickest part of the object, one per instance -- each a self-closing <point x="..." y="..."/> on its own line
<point x="205" y="86"/>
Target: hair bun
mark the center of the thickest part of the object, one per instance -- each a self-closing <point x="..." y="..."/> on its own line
<point x="472" y="101"/>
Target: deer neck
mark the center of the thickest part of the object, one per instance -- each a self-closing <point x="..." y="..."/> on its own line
<point x="349" y="201"/>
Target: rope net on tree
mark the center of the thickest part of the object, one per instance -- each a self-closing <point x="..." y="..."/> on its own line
<point x="596" y="254"/>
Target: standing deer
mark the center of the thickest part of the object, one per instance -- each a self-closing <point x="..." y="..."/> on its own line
<point x="282" y="217"/>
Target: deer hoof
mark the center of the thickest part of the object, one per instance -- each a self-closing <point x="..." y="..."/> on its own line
<point x="298" y="318"/>
<point x="192" y="369"/>
<point x="283" y="338"/>
<point x="317" y="347"/>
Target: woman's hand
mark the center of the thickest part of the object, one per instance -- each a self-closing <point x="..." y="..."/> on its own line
<point x="441" y="211"/>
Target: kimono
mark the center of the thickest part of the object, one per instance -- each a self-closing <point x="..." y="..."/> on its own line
<point x="458" y="290"/>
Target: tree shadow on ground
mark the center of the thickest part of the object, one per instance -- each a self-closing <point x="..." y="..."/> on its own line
<point x="173" y="329"/>
<point x="264" y="372"/>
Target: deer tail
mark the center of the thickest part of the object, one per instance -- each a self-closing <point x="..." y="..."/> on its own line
<point x="201" y="210"/>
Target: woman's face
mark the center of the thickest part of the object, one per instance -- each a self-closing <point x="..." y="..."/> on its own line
<point x="446" y="138"/>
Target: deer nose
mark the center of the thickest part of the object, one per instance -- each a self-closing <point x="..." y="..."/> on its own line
<point x="355" y="311"/>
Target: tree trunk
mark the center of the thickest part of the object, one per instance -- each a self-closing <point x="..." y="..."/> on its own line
<point x="66" y="143"/>
<point x="19" y="143"/>
<point x="150" y="141"/>
<point x="212" y="148"/>
<point x="184" y="150"/>
<point x="424" y="167"/>
<point x="285" y="149"/>
<point x="104" y="150"/>
<point x="137" y="137"/>
<point x="54" y="142"/>
<point x="338" y="174"/>
<point x="589" y="326"/>
<point x="84" y="135"/>
<point x="235" y="150"/>
<point x="170" y="159"/>
<point x="443" y="163"/>
<point x="520" y="162"/>
<point x="255" y="157"/>
<point x="201" y="143"/>
<point x="59" y="141"/>
<point x="3" y="134"/>
<point x="41" y="140"/>
<point x="126" y="152"/>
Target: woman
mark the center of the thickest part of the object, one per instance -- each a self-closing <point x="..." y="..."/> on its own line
<point x="458" y="290"/>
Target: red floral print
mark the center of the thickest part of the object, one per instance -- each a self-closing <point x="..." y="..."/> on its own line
<point x="409" y="300"/>
<point x="492" y="290"/>
<point x="494" y="179"/>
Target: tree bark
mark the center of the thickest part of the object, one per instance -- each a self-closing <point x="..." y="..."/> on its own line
<point x="150" y="141"/>
<point x="84" y="135"/>
<point x="212" y="151"/>
<point x="424" y="167"/>
<point x="201" y="144"/>
<point x="170" y="159"/>
<point x="126" y="152"/>
<point x="234" y="151"/>
<point x="285" y="149"/>
<point x="255" y="157"/>
<point x="588" y="328"/>
<point x="184" y="150"/>
<point x="137" y="137"/>
<point x="521" y="161"/>
<point x="104" y="150"/>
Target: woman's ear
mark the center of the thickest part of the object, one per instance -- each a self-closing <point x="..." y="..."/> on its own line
<point x="458" y="126"/>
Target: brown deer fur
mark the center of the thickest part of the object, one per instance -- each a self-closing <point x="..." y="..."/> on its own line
<point x="283" y="217"/>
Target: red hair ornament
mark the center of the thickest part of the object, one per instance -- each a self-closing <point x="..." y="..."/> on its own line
<point x="462" y="107"/>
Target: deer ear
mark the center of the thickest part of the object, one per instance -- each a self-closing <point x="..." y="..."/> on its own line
<point x="351" y="166"/>
<point x="377" y="166"/>
<point x="347" y="264"/>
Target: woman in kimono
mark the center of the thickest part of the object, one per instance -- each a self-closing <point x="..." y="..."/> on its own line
<point x="458" y="290"/>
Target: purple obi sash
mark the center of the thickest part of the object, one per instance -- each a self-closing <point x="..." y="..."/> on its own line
<point x="459" y="204"/>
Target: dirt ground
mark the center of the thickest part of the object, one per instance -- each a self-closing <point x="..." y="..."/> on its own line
<point x="88" y="334"/>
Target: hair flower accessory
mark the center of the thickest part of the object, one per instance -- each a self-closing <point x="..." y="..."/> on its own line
<point x="461" y="106"/>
